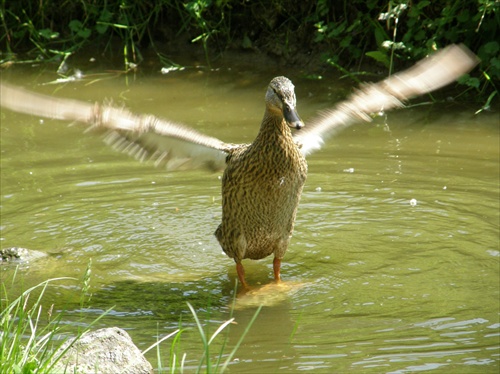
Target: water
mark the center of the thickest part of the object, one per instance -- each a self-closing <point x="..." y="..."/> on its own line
<point x="394" y="264"/>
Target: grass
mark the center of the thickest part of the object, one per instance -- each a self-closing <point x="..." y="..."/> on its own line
<point x="31" y="337"/>
<point x="25" y="347"/>
<point x="208" y="362"/>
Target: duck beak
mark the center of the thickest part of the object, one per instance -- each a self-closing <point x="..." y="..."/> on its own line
<point x="292" y="117"/>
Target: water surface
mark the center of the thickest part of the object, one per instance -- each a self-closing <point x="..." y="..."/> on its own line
<point x="394" y="263"/>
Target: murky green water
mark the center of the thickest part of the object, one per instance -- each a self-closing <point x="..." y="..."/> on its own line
<point x="377" y="284"/>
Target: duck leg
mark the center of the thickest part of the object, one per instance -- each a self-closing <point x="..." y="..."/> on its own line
<point x="241" y="275"/>
<point x="276" y="268"/>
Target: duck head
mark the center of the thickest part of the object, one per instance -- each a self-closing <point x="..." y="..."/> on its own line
<point x="280" y="97"/>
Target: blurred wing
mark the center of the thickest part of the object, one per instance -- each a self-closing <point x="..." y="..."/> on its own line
<point x="144" y="136"/>
<point x="427" y="75"/>
<point x="167" y="151"/>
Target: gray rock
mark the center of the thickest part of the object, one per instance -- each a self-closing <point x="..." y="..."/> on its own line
<point x="103" y="351"/>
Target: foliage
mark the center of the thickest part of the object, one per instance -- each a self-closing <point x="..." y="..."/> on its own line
<point x="350" y="34"/>
<point x="206" y="364"/>
<point x="18" y="320"/>
<point x="30" y="339"/>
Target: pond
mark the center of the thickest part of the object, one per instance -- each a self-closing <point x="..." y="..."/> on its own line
<point x="394" y="262"/>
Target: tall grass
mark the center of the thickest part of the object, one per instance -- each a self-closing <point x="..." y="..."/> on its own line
<point x="208" y="362"/>
<point x="25" y="346"/>
<point x="31" y="336"/>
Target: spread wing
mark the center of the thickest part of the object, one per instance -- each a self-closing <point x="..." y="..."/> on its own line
<point x="427" y="75"/>
<point x="144" y="136"/>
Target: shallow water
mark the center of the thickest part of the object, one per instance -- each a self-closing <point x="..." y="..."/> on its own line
<point x="375" y="281"/>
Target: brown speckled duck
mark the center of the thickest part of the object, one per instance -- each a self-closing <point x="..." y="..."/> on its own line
<point x="262" y="184"/>
<point x="262" y="181"/>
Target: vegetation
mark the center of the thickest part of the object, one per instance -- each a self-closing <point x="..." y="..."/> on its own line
<point x="31" y="337"/>
<point x="25" y="346"/>
<point x="346" y="34"/>
<point x="206" y="363"/>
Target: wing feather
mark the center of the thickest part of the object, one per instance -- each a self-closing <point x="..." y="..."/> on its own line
<point x="429" y="74"/>
<point x="144" y="136"/>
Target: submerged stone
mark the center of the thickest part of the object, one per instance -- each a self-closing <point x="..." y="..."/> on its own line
<point x="19" y="254"/>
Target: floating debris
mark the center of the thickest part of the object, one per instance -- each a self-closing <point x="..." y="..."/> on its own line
<point x="166" y="70"/>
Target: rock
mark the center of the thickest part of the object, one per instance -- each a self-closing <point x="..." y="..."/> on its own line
<point x="108" y="350"/>
<point x="19" y="254"/>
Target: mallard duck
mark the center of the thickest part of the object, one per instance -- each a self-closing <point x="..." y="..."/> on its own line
<point x="262" y="182"/>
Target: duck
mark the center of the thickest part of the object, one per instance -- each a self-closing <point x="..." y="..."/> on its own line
<point x="262" y="182"/>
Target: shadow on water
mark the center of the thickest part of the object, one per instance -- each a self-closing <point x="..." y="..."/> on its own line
<point x="394" y="263"/>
